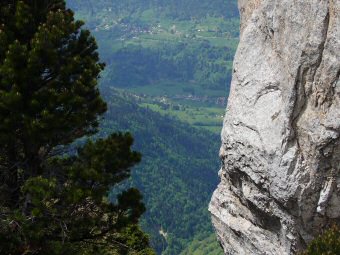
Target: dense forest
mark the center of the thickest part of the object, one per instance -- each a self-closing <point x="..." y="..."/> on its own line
<point x="177" y="174"/>
<point x="206" y="64"/>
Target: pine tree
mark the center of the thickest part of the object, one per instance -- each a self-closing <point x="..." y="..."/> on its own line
<point x="327" y="243"/>
<point x="53" y="201"/>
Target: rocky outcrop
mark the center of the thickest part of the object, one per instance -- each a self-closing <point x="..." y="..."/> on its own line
<point x="280" y="181"/>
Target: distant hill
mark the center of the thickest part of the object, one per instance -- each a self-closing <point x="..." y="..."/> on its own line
<point x="147" y="41"/>
<point x="174" y="9"/>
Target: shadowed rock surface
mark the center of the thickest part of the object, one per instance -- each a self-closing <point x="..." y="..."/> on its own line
<point x="280" y="181"/>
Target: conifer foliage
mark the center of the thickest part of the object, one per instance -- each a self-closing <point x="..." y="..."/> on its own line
<point x="51" y="201"/>
<point x="328" y="243"/>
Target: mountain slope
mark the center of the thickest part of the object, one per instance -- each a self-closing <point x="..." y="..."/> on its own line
<point x="177" y="174"/>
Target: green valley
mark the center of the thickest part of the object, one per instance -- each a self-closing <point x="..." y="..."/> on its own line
<point x="167" y="76"/>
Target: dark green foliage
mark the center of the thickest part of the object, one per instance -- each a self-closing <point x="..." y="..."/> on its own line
<point x="203" y="245"/>
<point x="67" y="204"/>
<point x="182" y="62"/>
<point x="177" y="175"/>
<point x="327" y="243"/>
<point x="48" y="79"/>
<point x="53" y="201"/>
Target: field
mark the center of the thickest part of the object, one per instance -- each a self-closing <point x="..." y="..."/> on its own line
<point x="192" y="104"/>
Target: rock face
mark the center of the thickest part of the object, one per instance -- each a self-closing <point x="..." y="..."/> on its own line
<point x="280" y="175"/>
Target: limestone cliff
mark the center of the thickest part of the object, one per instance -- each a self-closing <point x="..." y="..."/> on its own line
<point x="280" y="181"/>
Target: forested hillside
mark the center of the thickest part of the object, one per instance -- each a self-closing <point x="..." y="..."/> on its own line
<point x="185" y="41"/>
<point x="177" y="174"/>
<point x="174" y="9"/>
<point x="170" y="64"/>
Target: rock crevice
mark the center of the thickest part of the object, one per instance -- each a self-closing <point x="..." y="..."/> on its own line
<point x="280" y="175"/>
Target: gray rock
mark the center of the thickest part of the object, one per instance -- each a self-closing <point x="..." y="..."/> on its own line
<point x="280" y="181"/>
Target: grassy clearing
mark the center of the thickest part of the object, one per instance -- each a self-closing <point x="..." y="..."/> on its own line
<point x="190" y="103"/>
<point x="209" y="118"/>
